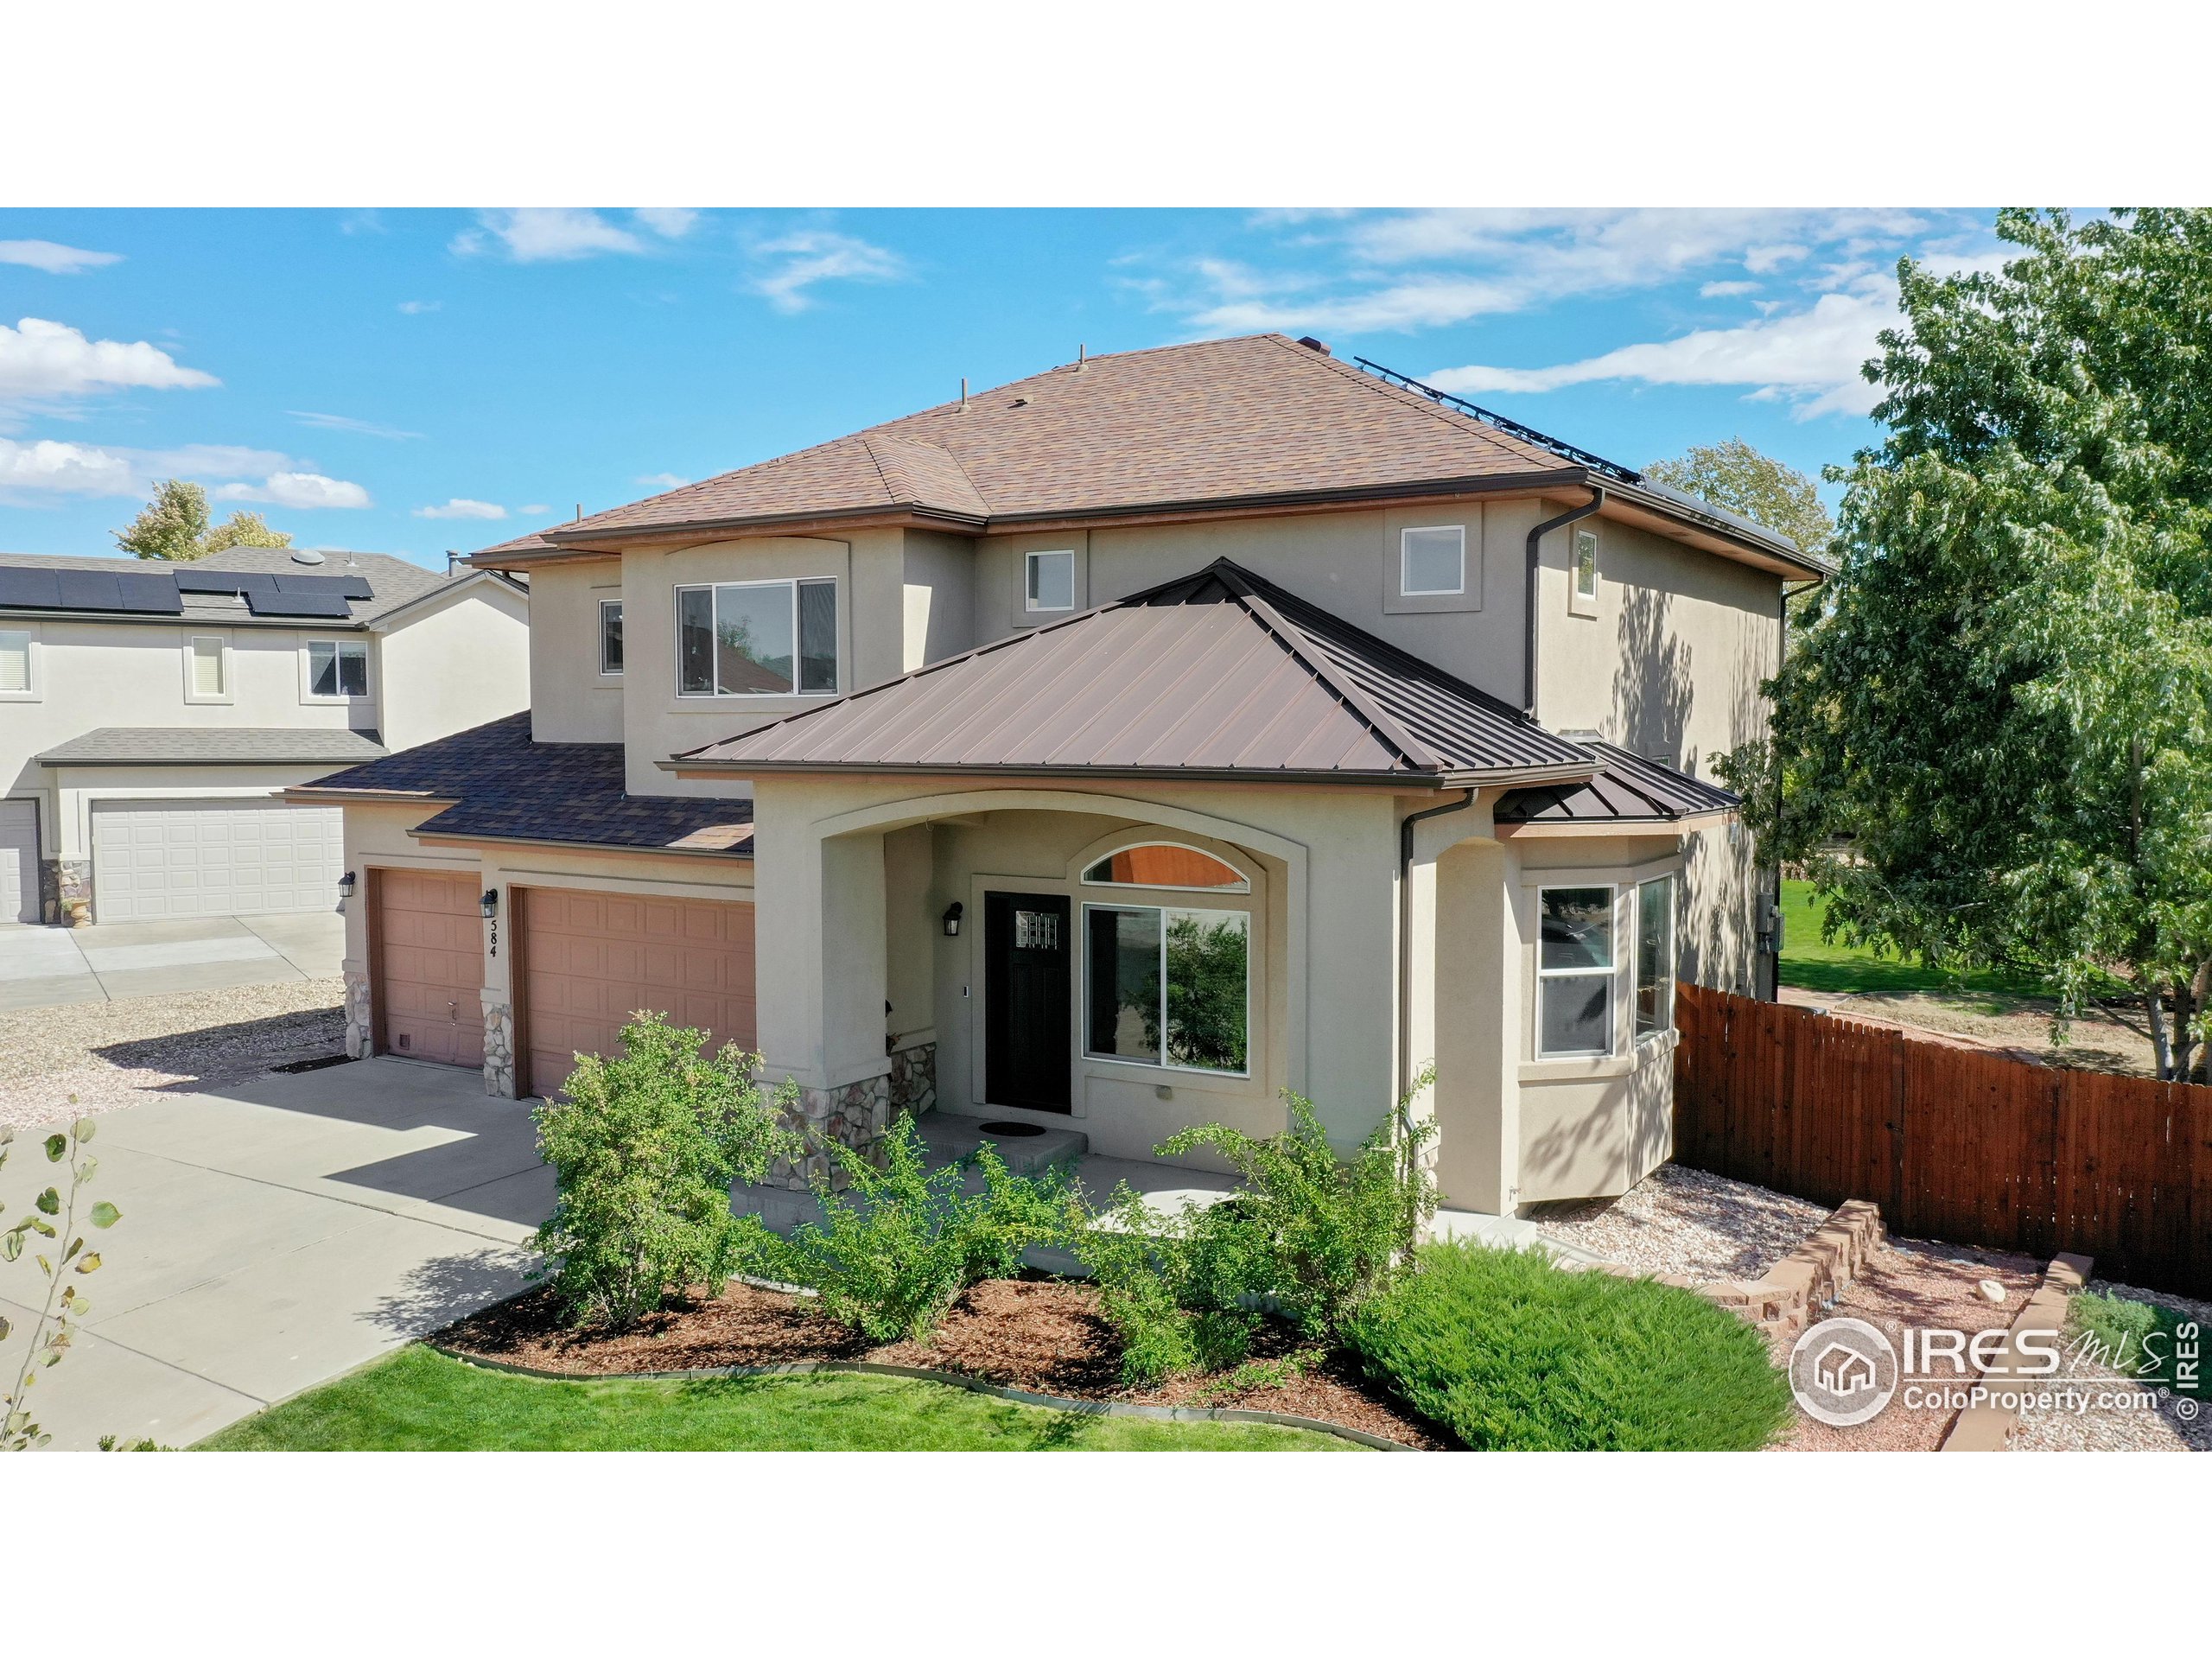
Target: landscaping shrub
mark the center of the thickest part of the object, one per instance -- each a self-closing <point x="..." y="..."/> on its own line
<point x="1308" y="1237"/>
<point x="1513" y="1354"/>
<point x="2144" y="1340"/>
<point x="645" y="1145"/>
<point x="892" y="1252"/>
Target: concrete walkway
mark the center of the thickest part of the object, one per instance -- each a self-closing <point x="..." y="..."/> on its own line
<point x="48" y="967"/>
<point x="274" y="1235"/>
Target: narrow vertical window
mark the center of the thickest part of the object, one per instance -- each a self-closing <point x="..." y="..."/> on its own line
<point x="1051" y="580"/>
<point x="1586" y="564"/>
<point x="15" y="661"/>
<point x="1433" y="561"/>
<point x="818" y="636"/>
<point x="1655" y="957"/>
<point x="610" y="636"/>
<point x="206" y="666"/>
<point x="1574" y="971"/>
<point x="694" y="642"/>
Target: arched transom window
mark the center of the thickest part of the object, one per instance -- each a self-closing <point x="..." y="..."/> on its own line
<point x="1162" y="864"/>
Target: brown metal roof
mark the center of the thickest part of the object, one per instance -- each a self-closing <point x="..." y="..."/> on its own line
<point x="1219" y="674"/>
<point x="1627" y="789"/>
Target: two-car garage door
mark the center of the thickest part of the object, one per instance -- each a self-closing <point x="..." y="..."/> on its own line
<point x="158" y="859"/>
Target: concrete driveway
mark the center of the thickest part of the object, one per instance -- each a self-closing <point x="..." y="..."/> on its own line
<point x="48" y="967"/>
<point x="274" y="1235"/>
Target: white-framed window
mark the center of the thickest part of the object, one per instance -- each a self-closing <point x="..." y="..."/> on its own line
<point x="15" y="665"/>
<point x="1164" y="864"/>
<point x="1433" y="559"/>
<point x="757" y="639"/>
<point x="1168" y="986"/>
<point x="1586" y="565"/>
<point x="1048" y="581"/>
<point x="338" y="668"/>
<point x="610" y="636"/>
<point x="207" y="669"/>
<point x="1574" y="971"/>
<point x="1655" y="957"/>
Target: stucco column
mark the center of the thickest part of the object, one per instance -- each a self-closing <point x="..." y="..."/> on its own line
<point x="1468" y="1004"/>
<point x="818" y="922"/>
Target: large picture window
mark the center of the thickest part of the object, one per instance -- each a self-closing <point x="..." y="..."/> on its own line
<point x="1655" y="957"/>
<point x="756" y="640"/>
<point x="1574" y="972"/>
<point x="1167" y="987"/>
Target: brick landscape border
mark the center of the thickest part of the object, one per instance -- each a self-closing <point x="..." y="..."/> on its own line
<point x="1781" y="1303"/>
<point x="1990" y="1427"/>
<point x="951" y="1379"/>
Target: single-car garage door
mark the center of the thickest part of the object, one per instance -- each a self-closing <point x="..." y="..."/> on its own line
<point x="588" y="959"/>
<point x="429" y="953"/>
<point x="18" y="860"/>
<point x="153" y="859"/>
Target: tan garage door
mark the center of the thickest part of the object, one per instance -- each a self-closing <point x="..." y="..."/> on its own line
<point x="431" y="966"/>
<point x="588" y="959"/>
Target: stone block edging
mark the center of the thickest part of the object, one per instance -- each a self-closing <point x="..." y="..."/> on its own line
<point x="1989" y="1427"/>
<point x="951" y="1379"/>
<point x="1781" y="1303"/>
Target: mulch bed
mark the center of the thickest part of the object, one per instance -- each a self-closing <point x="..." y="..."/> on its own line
<point x="1036" y="1333"/>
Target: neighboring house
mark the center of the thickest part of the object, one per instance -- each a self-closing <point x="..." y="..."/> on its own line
<point x="1129" y="744"/>
<point x="149" y="712"/>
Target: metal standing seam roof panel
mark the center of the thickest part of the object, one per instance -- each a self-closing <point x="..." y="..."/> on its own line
<point x="1626" y="788"/>
<point x="1217" y="672"/>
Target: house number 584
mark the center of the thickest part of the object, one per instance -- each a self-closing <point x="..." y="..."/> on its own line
<point x="495" y="938"/>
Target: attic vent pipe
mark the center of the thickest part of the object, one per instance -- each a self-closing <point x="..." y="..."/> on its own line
<point x="1082" y="354"/>
<point x="963" y="392"/>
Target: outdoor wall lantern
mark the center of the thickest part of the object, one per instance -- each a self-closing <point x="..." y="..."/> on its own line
<point x="952" y="921"/>
<point x="489" y="903"/>
<point x="344" y="888"/>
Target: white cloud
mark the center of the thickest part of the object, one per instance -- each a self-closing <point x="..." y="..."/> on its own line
<point x="667" y="221"/>
<point x="534" y="233"/>
<point x="1762" y="262"/>
<point x="461" y="507"/>
<point x="54" y="258"/>
<point x="1811" y="358"/>
<point x="53" y="467"/>
<point x="1725" y="290"/>
<point x="660" y="482"/>
<point x="348" y="423"/>
<point x="303" y="492"/>
<point x="533" y="510"/>
<point x="41" y="359"/>
<point x="805" y="257"/>
<point x="417" y="307"/>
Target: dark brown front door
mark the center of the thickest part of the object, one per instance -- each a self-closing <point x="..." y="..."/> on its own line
<point x="1027" y="946"/>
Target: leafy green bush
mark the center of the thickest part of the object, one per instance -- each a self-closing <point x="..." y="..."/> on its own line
<point x="2137" y="1339"/>
<point x="645" y="1145"/>
<point x="895" y="1249"/>
<point x="54" y="1218"/>
<point x="1306" y="1236"/>
<point x="1513" y="1354"/>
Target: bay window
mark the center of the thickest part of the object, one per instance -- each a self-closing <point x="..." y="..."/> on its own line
<point x="756" y="639"/>
<point x="1574" y="971"/>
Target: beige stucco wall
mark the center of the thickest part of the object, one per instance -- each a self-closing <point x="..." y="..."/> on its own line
<point x="455" y="662"/>
<point x="570" y="701"/>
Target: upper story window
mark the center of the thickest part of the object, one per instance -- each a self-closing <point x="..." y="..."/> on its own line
<point x="756" y="640"/>
<point x="1574" y="971"/>
<point x="206" y="668"/>
<point x="1432" y="560"/>
<point x="16" y="663"/>
<point x="338" y="668"/>
<point x="1655" y="957"/>
<point x="610" y="636"/>
<point x="1586" y="564"/>
<point x="1051" y="580"/>
<point x="1162" y="864"/>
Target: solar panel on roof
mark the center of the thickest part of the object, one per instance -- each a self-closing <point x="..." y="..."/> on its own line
<point x="31" y="590"/>
<point x="344" y="587"/>
<point x="281" y="604"/>
<point x="148" y="590"/>
<point x="192" y="581"/>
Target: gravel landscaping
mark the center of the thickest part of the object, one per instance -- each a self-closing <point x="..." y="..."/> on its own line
<point x="108" y="1053"/>
<point x="1685" y="1221"/>
<point x="1040" y="1334"/>
<point x="2162" y="1430"/>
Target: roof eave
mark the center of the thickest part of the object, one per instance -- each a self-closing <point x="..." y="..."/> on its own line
<point x="462" y="838"/>
<point x="1509" y="828"/>
<point x="1456" y="777"/>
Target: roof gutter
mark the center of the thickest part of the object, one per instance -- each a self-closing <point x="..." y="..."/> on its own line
<point x="1529" y="654"/>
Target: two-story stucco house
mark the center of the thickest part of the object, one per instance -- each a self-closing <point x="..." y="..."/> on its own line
<point x="149" y="712"/>
<point x="1112" y="750"/>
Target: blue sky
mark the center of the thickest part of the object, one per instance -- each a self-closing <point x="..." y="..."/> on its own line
<point x="408" y="382"/>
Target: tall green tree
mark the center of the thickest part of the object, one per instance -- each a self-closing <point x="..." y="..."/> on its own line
<point x="174" y="525"/>
<point x="1736" y="476"/>
<point x="2007" y="705"/>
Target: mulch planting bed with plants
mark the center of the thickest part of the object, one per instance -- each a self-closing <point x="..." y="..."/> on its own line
<point x="1036" y="1333"/>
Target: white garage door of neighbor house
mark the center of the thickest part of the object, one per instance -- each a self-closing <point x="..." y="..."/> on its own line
<point x="18" y="860"/>
<point x="153" y="860"/>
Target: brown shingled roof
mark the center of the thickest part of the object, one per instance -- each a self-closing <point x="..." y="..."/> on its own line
<point x="1216" y="675"/>
<point x="1220" y="420"/>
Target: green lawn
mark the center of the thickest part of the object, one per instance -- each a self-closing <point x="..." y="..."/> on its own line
<point x="1854" y="968"/>
<point x="420" y="1400"/>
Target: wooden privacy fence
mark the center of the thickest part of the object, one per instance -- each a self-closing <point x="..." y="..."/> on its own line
<point x="1954" y="1143"/>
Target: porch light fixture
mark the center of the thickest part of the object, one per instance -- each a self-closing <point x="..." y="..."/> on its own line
<point x="952" y="921"/>
<point x="489" y="903"/>
<point x="346" y="885"/>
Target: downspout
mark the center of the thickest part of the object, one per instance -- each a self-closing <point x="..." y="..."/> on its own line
<point x="1529" y="655"/>
<point x="1780" y="657"/>
<point x="1406" y="951"/>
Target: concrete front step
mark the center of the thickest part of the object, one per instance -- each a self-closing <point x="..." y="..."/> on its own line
<point x="952" y="1137"/>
